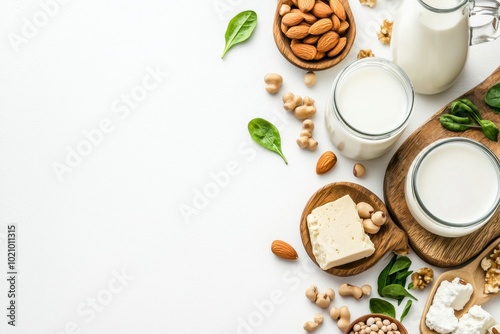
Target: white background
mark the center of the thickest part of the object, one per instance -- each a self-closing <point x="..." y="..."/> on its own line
<point x="117" y="213"/>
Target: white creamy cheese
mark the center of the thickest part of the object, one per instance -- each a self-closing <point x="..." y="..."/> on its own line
<point x="337" y="234"/>
<point x="441" y="318"/>
<point x="476" y="321"/>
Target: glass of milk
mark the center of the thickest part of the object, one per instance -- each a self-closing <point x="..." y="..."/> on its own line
<point x="453" y="186"/>
<point x="369" y="106"/>
<point x="430" y="39"/>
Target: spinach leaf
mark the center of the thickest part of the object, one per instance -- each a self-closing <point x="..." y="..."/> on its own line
<point x="378" y="305"/>
<point x="402" y="263"/>
<point x="406" y="309"/>
<point x="266" y="135"/>
<point x="383" y="277"/>
<point x="396" y="291"/>
<point x="239" y="29"/>
<point x="492" y="97"/>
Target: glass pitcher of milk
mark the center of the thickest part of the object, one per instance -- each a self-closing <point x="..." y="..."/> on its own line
<point x="430" y="39"/>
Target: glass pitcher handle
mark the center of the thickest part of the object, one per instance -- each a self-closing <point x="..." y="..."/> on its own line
<point x="490" y="30"/>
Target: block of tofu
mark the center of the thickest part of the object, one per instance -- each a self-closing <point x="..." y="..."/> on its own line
<point x="337" y="234"/>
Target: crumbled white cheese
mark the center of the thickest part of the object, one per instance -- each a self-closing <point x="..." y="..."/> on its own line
<point x="441" y="318"/>
<point x="337" y="234"/>
<point x="454" y="294"/>
<point x="476" y="321"/>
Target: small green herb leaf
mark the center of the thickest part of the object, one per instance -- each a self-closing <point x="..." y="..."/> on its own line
<point x="266" y="135"/>
<point x="406" y="309"/>
<point x="396" y="291"/>
<point x="492" y="97"/>
<point x="378" y="305"/>
<point x="402" y="263"/>
<point x="490" y="130"/>
<point x="383" y="277"/>
<point x="239" y="29"/>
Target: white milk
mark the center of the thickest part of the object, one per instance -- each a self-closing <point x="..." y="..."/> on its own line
<point x="368" y="109"/>
<point x="458" y="184"/>
<point x="430" y="47"/>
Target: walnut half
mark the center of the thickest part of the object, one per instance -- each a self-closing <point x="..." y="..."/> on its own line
<point x="385" y="32"/>
<point x="491" y="265"/>
<point x="422" y="278"/>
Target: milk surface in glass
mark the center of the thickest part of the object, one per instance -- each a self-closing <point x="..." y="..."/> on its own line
<point x="430" y="47"/>
<point x="457" y="183"/>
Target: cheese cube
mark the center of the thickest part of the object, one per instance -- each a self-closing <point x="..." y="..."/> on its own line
<point x="337" y="234"/>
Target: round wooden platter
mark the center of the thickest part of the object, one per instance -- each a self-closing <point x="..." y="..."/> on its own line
<point x="472" y="273"/>
<point x="434" y="249"/>
<point x="389" y="238"/>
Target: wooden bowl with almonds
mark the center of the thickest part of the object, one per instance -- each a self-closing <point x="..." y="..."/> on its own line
<point x="314" y="35"/>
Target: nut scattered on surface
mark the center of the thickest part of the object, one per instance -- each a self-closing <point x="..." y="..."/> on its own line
<point x="274" y="82"/>
<point x="359" y="170"/>
<point x="385" y="32"/>
<point x="318" y="318"/>
<point x="422" y="277"/>
<point x="305" y="139"/>
<point x="291" y="101"/>
<point x="326" y="162"/>
<point x="310" y="326"/>
<point x="491" y="265"/>
<point x="312" y="293"/>
<point x="322" y="300"/>
<point x="331" y="293"/>
<point x="310" y="79"/>
<point x="365" y="53"/>
<point x="369" y="3"/>
<point x="343" y="317"/>
<point x="306" y="110"/>
<point x="354" y="291"/>
<point x="283" y="250"/>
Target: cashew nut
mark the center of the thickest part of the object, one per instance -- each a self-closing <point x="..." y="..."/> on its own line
<point x="318" y="318"/>
<point x="350" y="290"/>
<point x="312" y="293"/>
<point x="305" y="139"/>
<point x="306" y="110"/>
<point x="365" y="210"/>
<point x="367" y="289"/>
<point x="370" y="227"/>
<point x="310" y="79"/>
<point x="323" y="301"/>
<point x="379" y="218"/>
<point x="331" y="293"/>
<point x="342" y="316"/>
<point x="274" y="82"/>
<point x="311" y="326"/>
<point x="291" y="101"/>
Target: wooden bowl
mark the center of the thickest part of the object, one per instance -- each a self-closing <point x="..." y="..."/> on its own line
<point x="283" y="42"/>
<point x="389" y="238"/>
<point x="365" y="317"/>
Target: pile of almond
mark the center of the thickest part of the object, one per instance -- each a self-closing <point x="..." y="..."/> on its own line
<point x="316" y="28"/>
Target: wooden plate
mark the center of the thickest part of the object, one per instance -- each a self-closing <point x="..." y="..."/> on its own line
<point x="473" y="274"/>
<point x="283" y="42"/>
<point x="389" y="238"/>
<point x="434" y="249"/>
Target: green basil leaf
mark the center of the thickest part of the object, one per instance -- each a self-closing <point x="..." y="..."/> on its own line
<point x="266" y="135"/>
<point x="396" y="291"/>
<point x="239" y="29"/>
<point x="406" y="309"/>
<point x="402" y="263"/>
<point x="492" y="97"/>
<point x="381" y="306"/>
<point x="383" y="278"/>
<point x="410" y="286"/>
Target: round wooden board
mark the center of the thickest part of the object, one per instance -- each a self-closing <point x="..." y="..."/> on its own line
<point x="397" y="242"/>
<point x="434" y="249"/>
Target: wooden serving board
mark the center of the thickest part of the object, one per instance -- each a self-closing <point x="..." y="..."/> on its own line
<point x="389" y="238"/>
<point x="434" y="249"/>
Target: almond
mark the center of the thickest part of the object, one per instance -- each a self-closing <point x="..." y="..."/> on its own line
<point x="344" y="25"/>
<point x="327" y="41"/>
<point x="336" y="22"/>
<point x="321" y="10"/>
<point x="338" y="9"/>
<point x="283" y="250"/>
<point x="319" y="56"/>
<point x="320" y="27"/>
<point x="326" y="162"/>
<point x="292" y="19"/>
<point x="284" y="28"/>
<point x="305" y="5"/>
<point x="309" y="18"/>
<point x="338" y="48"/>
<point x="297" y="32"/>
<point x="304" y="51"/>
<point x="311" y="39"/>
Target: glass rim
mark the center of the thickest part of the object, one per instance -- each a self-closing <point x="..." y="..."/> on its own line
<point x="443" y="10"/>
<point x="421" y="157"/>
<point x="390" y="67"/>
